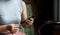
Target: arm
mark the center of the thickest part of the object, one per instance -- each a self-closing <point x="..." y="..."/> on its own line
<point x="24" y="13"/>
<point x="25" y="21"/>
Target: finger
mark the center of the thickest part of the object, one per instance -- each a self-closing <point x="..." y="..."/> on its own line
<point x="31" y="19"/>
<point x="14" y="30"/>
<point x="27" y="20"/>
<point x="30" y="22"/>
<point x="15" y="26"/>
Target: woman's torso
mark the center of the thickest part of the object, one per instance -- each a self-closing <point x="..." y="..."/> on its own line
<point x="10" y="11"/>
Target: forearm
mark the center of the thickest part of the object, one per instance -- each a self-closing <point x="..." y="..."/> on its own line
<point x="24" y="13"/>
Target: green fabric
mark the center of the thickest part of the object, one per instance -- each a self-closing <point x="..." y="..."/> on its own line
<point x="28" y="31"/>
<point x="29" y="10"/>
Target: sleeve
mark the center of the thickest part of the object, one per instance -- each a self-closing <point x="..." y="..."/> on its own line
<point x="20" y="4"/>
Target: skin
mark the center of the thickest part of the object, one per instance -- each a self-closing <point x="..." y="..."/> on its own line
<point x="28" y="23"/>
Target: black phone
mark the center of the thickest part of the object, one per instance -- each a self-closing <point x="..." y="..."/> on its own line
<point x="29" y="18"/>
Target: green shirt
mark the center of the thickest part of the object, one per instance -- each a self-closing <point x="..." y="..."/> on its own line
<point x="28" y="31"/>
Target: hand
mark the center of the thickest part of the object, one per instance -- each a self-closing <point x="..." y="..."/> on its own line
<point x="13" y="27"/>
<point x="17" y="33"/>
<point x="30" y="21"/>
<point x="3" y="28"/>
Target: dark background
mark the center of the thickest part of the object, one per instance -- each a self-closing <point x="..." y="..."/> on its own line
<point x="43" y="10"/>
